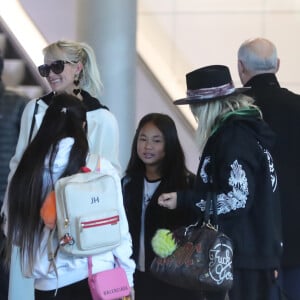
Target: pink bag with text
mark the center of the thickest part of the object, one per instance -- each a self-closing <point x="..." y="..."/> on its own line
<point x="109" y="284"/>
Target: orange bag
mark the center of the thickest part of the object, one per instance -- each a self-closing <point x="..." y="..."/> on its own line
<point x="48" y="210"/>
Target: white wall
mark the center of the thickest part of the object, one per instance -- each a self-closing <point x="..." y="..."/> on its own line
<point x="56" y="19"/>
<point x="189" y="34"/>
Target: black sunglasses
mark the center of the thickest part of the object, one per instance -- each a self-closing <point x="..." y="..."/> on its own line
<point x="56" y="67"/>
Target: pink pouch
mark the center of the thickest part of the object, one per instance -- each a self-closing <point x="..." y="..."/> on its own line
<point x="108" y="285"/>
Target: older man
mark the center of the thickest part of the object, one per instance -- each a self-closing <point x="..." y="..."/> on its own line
<point x="257" y="65"/>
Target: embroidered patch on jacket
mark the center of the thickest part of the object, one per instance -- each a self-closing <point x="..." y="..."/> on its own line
<point x="273" y="174"/>
<point x="203" y="173"/>
<point x="237" y="197"/>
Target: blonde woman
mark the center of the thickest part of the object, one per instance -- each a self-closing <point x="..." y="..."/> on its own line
<point x="69" y="67"/>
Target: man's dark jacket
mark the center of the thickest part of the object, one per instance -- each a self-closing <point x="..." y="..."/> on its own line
<point x="281" y="110"/>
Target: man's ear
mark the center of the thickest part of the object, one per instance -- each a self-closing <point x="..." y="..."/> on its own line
<point x="241" y="66"/>
<point x="278" y="65"/>
<point x="243" y="74"/>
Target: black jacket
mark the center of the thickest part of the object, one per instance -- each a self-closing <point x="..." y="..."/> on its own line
<point x="156" y="216"/>
<point x="237" y="159"/>
<point x="281" y="110"/>
<point x="11" y="108"/>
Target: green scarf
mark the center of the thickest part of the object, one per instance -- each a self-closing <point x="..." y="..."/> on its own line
<point x="251" y="111"/>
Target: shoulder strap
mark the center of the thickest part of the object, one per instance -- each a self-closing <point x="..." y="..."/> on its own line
<point x="211" y="212"/>
<point x="33" y="121"/>
<point x="52" y="256"/>
<point x="90" y="265"/>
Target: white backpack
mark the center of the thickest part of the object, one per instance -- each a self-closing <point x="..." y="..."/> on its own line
<point x="87" y="210"/>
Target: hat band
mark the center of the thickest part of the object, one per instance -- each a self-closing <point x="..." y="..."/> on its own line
<point x="208" y="93"/>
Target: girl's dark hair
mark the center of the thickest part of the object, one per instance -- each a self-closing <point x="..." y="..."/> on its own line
<point x="65" y="117"/>
<point x="173" y="167"/>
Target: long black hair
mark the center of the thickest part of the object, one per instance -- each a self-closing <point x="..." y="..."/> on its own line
<point x="65" y="117"/>
<point x="173" y="167"/>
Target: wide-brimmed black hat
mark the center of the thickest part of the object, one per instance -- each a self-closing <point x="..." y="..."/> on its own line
<point x="207" y="84"/>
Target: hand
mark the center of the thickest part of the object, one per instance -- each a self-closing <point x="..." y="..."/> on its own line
<point x="131" y="296"/>
<point x="132" y="293"/>
<point x="168" y="200"/>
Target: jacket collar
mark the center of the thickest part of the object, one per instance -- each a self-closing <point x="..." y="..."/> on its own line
<point x="263" y="80"/>
<point x="90" y="102"/>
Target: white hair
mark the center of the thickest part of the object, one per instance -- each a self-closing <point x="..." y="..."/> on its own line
<point x="258" y="55"/>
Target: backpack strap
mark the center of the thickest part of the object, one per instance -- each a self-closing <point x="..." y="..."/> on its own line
<point x="52" y="256"/>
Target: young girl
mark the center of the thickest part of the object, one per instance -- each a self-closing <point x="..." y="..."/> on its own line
<point x="156" y="165"/>
<point x="59" y="149"/>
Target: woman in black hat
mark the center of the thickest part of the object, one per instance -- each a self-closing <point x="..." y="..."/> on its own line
<point x="235" y="148"/>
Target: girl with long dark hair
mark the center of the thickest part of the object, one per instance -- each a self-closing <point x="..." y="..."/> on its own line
<point x="59" y="149"/>
<point x="156" y="165"/>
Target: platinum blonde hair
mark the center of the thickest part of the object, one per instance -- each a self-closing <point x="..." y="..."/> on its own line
<point x="208" y="114"/>
<point x="78" y="52"/>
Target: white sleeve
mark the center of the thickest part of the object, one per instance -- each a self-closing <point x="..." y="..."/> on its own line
<point x="103" y="135"/>
<point x="124" y="251"/>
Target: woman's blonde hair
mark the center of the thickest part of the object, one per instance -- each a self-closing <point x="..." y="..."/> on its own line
<point x="74" y="52"/>
<point x="209" y="114"/>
